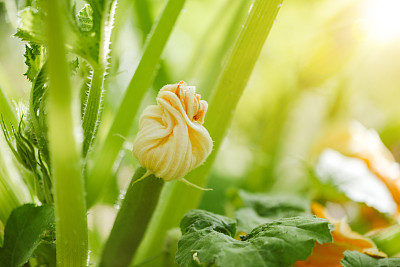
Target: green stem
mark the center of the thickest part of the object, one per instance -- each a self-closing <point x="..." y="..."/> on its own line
<point x="130" y="225"/>
<point x="92" y="109"/>
<point x="92" y="112"/>
<point x="100" y="171"/>
<point x="210" y="77"/>
<point x="69" y="200"/>
<point x="176" y="198"/>
<point x="262" y="175"/>
<point x="6" y="110"/>
<point x="210" y="32"/>
<point x="145" y="20"/>
<point x="388" y="240"/>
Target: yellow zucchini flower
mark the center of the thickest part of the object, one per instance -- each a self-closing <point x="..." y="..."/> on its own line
<point x="172" y="140"/>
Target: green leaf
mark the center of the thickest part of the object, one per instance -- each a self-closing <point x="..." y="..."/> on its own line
<point x="357" y="259"/>
<point x="34" y="60"/>
<point x="256" y="209"/>
<point x="196" y="220"/>
<point x="207" y="238"/>
<point x="37" y="113"/>
<point x="24" y="230"/>
<point x="85" y="18"/>
<point x="275" y="206"/>
<point x="32" y="26"/>
<point x="45" y="254"/>
<point x="32" y="29"/>
<point x="248" y="219"/>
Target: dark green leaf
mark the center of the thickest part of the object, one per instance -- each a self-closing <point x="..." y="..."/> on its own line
<point x="38" y="91"/>
<point x="207" y="238"/>
<point x="357" y="259"/>
<point x="45" y="254"/>
<point x="33" y="60"/>
<point x="24" y="231"/>
<point x="196" y="220"/>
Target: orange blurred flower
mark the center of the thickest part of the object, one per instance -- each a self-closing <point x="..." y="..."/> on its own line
<point x="330" y="254"/>
<point x="356" y="141"/>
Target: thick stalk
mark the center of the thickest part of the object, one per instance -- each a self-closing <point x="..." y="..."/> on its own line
<point x="69" y="200"/>
<point x="177" y="199"/>
<point x="100" y="171"/>
<point x="132" y="220"/>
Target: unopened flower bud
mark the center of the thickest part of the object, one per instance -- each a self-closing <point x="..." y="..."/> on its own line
<point x="172" y="140"/>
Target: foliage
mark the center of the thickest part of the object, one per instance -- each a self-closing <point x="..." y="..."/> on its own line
<point x="357" y="259"/>
<point x="209" y="238"/>
<point x="24" y="231"/>
<point x="255" y="209"/>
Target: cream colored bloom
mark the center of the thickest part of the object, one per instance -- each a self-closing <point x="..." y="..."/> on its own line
<point x="172" y="140"/>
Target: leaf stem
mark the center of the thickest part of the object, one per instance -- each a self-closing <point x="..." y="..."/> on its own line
<point x="92" y="112"/>
<point x="177" y="199"/>
<point x="100" y="170"/>
<point x="69" y="200"/>
<point x="130" y="225"/>
<point x="92" y="109"/>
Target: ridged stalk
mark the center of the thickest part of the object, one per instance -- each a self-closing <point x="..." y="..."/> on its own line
<point x="69" y="200"/>
<point x="92" y="112"/>
<point x="92" y="109"/>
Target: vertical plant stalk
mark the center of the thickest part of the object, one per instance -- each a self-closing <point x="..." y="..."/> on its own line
<point x="99" y="172"/>
<point x="6" y="110"/>
<point x="176" y="198"/>
<point x="92" y="112"/>
<point x="92" y="109"/>
<point x="145" y="20"/>
<point x="131" y="223"/>
<point x="69" y="200"/>
<point x="210" y="77"/>
<point x="263" y="176"/>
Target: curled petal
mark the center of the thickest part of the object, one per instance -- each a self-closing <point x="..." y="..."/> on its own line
<point x="172" y="140"/>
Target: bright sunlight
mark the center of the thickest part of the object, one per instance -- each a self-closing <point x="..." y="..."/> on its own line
<point x="382" y="20"/>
